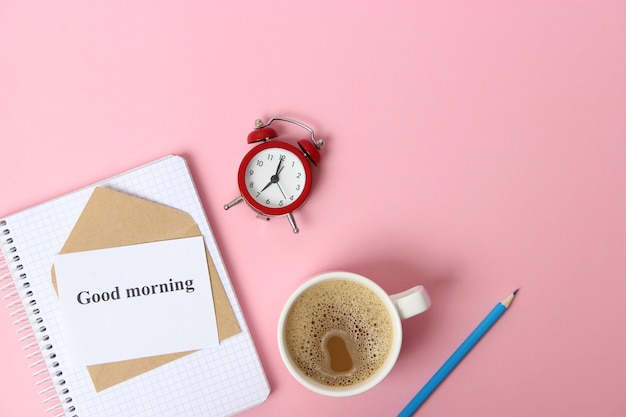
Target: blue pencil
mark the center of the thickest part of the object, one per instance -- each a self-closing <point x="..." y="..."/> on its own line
<point x="457" y="356"/>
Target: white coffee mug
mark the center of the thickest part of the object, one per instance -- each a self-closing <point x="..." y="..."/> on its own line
<point x="396" y="307"/>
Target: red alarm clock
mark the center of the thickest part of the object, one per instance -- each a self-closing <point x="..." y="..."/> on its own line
<point x="275" y="177"/>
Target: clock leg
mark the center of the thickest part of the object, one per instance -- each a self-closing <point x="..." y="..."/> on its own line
<point x="292" y="222"/>
<point x="232" y="203"/>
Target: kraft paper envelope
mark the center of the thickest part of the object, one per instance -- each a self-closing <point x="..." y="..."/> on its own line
<point x="112" y="219"/>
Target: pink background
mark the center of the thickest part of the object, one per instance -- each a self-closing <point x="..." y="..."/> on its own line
<point x="473" y="147"/>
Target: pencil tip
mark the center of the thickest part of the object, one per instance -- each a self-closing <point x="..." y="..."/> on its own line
<point x="515" y="292"/>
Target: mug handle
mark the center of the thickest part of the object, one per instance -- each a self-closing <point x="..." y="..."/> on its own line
<point x="411" y="302"/>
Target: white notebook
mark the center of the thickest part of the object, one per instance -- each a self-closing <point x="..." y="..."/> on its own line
<point x="220" y="381"/>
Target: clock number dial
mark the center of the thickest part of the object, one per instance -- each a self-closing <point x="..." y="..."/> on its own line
<point x="279" y="175"/>
<point x="275" y="177"/>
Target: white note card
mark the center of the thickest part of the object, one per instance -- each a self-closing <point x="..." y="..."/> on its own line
<point x="136" y="301"/>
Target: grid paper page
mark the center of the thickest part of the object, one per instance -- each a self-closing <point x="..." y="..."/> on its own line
<point x="210" y="382"/>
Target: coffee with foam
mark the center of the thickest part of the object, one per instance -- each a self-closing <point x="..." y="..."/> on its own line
<point x="338" y="332"/>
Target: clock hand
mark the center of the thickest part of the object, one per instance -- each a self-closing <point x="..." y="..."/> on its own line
<point x="274" y="178"/>
<point x="281" y="190"/>
<point x="278" y="169"/>
<point x="268" y="184"/>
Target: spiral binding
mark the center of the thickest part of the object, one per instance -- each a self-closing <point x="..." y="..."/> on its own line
<point x="32" y="329"/>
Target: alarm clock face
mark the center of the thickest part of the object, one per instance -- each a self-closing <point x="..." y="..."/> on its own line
<point x="275" y="178"/>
